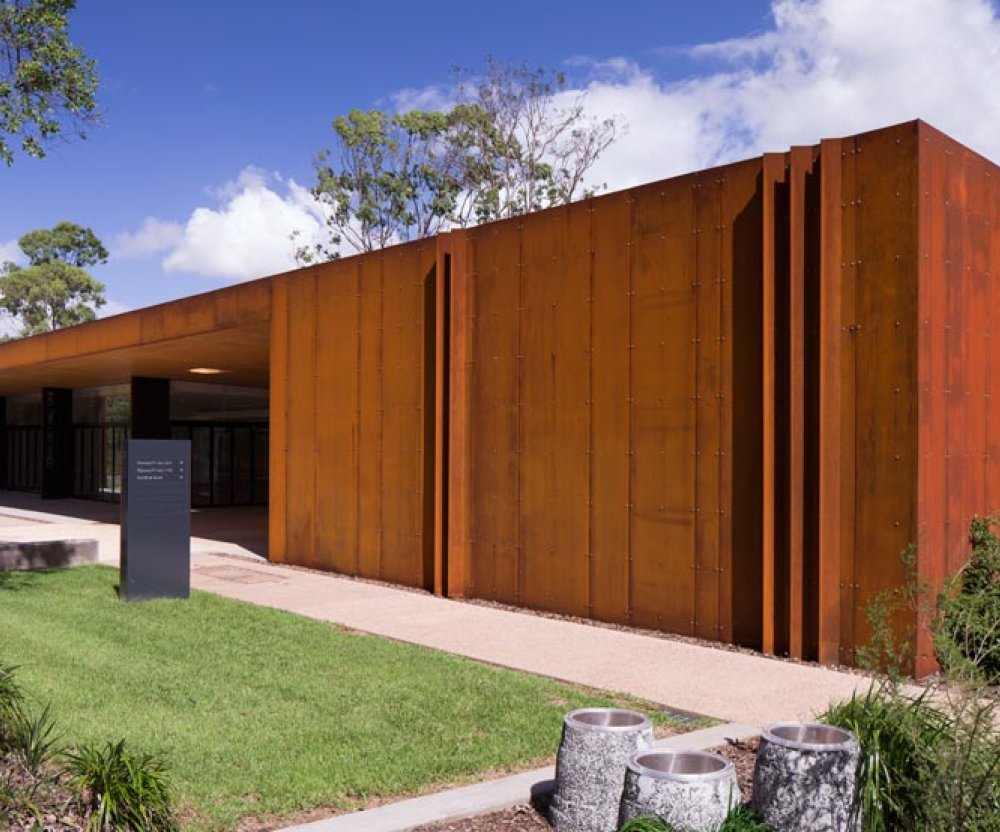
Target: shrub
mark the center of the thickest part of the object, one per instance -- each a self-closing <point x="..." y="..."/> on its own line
<point x="647" y="823"/>
<point x="32" y="737"/>
<point x="967" y="625"/>
<point x="123" y="790"/>
<point x="11" y="699"/>
<point x="891" y="730"/>
<point x="931" y="763"/>
<point x="743" y="819"/>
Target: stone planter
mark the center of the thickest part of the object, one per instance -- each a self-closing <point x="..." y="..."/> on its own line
<point x="805" y="778"/>
<point x="693" y="791"/>
<point x="596" y="746"/>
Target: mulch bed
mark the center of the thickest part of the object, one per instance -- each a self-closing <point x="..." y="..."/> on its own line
<point x="41" y="803"/>
<point x="532" y="818"/>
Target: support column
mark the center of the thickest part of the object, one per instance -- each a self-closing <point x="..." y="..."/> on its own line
<point x="57" y="443"/>
<point x="149" y="408"/>
<point x="3" y="442"/>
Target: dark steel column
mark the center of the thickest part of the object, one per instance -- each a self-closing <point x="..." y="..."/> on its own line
<point x="149" y="410"/>
<point x="3" y="442"/>
<point x="57" y="443"/>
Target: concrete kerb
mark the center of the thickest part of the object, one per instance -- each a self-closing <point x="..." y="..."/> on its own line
<point x="495" y="795"/>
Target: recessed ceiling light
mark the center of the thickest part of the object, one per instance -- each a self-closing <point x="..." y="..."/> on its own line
<point x="207" y="371"/>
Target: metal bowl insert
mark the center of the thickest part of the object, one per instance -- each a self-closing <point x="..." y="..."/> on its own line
<point x="809" y="736"/>
<point x="608" y="719"/>
<point x="684" y="766"/>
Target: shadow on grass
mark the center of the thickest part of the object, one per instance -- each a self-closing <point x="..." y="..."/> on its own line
<point x="19" y="580"/>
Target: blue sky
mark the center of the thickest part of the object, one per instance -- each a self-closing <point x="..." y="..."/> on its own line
<point x="214" y="110"/>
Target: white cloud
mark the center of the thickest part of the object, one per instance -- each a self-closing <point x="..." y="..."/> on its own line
<point x="245" y="234"/>
<point x="153" y="237"/>
<point x="10" y="252"/>
<point x="112" y="307"/>
<point x="826" y="68"/>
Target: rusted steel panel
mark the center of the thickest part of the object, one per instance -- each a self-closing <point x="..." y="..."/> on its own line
<point x="301" y="436"/>
<point x="336" y="497"/>
<point x="494" y="268"/>
<point x="709" y="396"/>
<point x="849" y="389"/>
<point x="957" y="352"/>
<point x="370" y="414"/>
<point x="993" y="351"/>
<point x="553" y="360"/>
<point x="435" y="430"/>
<point x="277" y="524"/>
<point x="831" y="450"/>
<point x="459" y="476"/>
<point x="402" y="482"/>
<point x="663" y="405"/>
<point x="886" y="348"/>
<point x="744" y="214"/>
<point x="610" y="392"/>
<point x="975" y="367"/>
<point x="958" y="365"/>
<point x="800" y="164"/>
<point x="774" y="246"/>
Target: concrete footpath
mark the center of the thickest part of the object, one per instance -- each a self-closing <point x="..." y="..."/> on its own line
<point x="227" y="558"/>
<point x="726" y="684"/>
<point x="495" y="795"/>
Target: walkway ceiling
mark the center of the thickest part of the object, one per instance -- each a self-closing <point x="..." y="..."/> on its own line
<point x="227" y="330"/>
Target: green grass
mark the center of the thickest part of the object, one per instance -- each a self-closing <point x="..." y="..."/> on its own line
<point x="261" y="713"/>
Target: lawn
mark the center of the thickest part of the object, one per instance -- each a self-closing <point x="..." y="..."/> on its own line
<point x="262" y="713"/>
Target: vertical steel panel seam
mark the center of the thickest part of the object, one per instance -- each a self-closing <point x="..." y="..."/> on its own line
<point x="380" y="410"/>
<point x="696" y="527"/>
<point x="630" y="414"/>
<point x="278" y="452"/>
<point x="519" y="552"/>
<point x="800" y="159"/>
<point x="773" y="168"/>
<point x="590" y="411"/>
<point x="829" y="401"/>
<point x="357" y="424"/>
<point x="724" y="399"/>
<point x="441" y="268"/>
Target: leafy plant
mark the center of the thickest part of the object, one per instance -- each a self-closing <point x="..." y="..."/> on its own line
<point x="11" y="698"/>
<point x="124" y="790"/>
<point x="892" y="731"/>
<point x="33" y="737"/>
<point x="646" y="823"/>
<point x="931" y="762"/>
<point x="743" y="819"/>
<point x="967" y="627"/>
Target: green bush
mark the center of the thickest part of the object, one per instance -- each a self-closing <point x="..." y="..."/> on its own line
<point x="967" y="626"/>
<point x="647" y="823"/>
<point x="123" y="790"/>
<point x="743" y="819"/>
<point x="11" y="699"/>
<point x="32" y="737"/>
<point x="891" y="730"/>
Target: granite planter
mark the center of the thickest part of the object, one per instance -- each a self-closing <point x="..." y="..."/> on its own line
<point x="805" y="778"/>
<point x="693" y="791"/>
<point x="596" y="746"/>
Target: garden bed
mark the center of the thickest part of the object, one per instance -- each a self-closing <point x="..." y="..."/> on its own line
<point x="527" y="818"/>
<point x="263" y="715"/>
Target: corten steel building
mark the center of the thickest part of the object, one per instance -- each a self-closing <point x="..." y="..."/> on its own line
<point x="718" y="405"/>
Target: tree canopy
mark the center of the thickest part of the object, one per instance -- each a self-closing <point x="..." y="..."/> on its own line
<point x="514" y="140"/>
<point x="54" y="290"/>
<point x="48" y="86"/>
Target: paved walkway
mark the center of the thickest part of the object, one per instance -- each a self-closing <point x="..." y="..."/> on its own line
<point x="728" y="685"/>
<point x="227" y="558"/>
